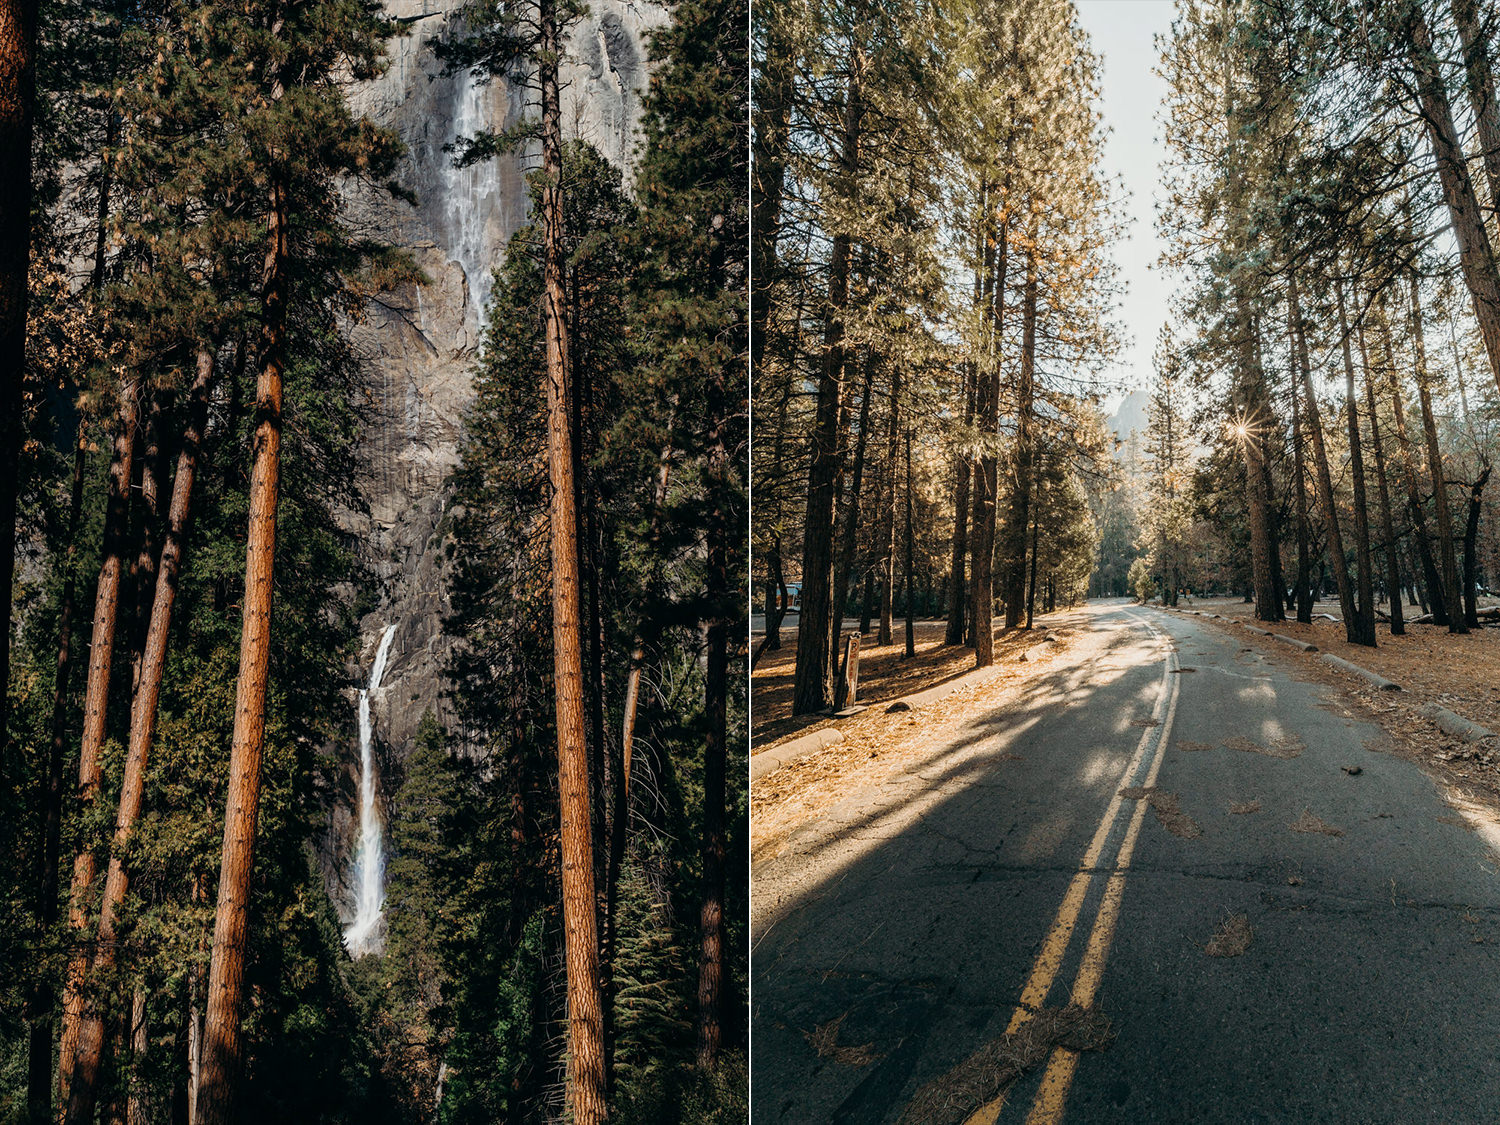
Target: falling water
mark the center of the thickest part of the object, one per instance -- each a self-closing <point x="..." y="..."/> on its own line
<point x="471" y="195"/>
<point x="369" y="858"/>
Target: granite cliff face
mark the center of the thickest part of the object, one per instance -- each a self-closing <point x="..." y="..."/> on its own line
<point x="421" y="345"/>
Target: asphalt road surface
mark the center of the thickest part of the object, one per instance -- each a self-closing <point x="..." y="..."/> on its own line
<point x="928" y="915"/>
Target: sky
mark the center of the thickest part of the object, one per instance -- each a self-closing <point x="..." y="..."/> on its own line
<point x="1121" y="31"/>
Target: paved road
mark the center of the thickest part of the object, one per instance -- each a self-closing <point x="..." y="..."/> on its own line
<point x="918" y="910"/>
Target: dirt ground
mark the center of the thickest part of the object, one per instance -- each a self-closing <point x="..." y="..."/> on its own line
<point x="877" y="743"/>
<point x="884" y="674"/>
<point x="1460" y="672"/>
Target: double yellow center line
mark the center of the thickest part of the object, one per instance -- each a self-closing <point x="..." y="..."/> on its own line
<point x="1058" y="1077"/>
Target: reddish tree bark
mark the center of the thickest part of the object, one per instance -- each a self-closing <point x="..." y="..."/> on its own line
<point x="221" y="1048"/>
<point x="96" y="698"/>
<point x="143" y="714"/>
<point x="586" y="1078"/>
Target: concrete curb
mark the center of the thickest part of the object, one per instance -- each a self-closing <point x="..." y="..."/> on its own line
<point x="765" y="761"/>
<point x="931" y="695"/>
<point x="1455" y="724"/>
<point x="1379" y="681"/>
<point x="1305" y="646"/>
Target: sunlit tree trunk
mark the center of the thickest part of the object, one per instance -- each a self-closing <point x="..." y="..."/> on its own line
<point x="226" y="974"/>
<point x="1479" y="73"/>
<point x="885" y="533"/>
<point x="812" y="688"/>
<point x="954" y="635"/>
<point x="586" y="1078"/>
<point x="1268" y="602"/>
<point x="143" y="715"/>
<point x="849" y="533"/>
<point x="1018" y="520"/>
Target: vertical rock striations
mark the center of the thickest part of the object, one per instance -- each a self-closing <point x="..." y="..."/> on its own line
<point x="420" y="345"/>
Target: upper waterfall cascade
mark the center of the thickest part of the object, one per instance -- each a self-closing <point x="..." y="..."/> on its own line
<point x="364" y="933"/>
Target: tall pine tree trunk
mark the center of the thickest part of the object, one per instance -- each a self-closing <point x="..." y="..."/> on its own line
<point x="143" y="715"/>
<point x="1415" y="511"/>
<point x="954" y="635"/>
<point x="1304" y="592"/>
<point x="1268" y="602"/>
<point x="1364" y="633"/>
<point x="849" y="533"/>
<point x="1018" y="520"/>
<point x="226" y="974"/>
<point x="985" y="476"/>
<point x="43" y="997"/>
<point x="1383" y="494"/>
<point x="586" y="1078"/>
<point x="1475" y="254"/>
<point x="1479" y="74"/>
<point x="1441" y="507"/>
<point x="812" y="688"/>
<point x="95" y="705"/>
<point x="1323" y="478"/>
<point x="885" y="532"/>
<point x="911" y="629"/>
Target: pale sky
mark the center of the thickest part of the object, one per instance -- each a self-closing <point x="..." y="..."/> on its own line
<point x="1121" y="31"/>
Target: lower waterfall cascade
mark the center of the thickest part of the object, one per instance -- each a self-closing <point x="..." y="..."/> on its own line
<point x="363" y="934"/>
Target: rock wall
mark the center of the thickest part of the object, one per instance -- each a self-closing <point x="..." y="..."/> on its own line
<point x="420" y="345"/>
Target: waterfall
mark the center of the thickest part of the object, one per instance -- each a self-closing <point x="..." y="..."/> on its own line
<point x="362" y="936"/>
<point x="470" y="195"/>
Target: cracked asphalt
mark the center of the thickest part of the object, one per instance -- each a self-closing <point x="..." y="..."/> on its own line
<point x="908" y="918"/>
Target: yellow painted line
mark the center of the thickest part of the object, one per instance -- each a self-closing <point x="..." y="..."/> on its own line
<point x="1055" y="945"/>
<point x="1058" y="1077"/>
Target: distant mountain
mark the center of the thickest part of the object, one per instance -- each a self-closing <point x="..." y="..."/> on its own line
<point x="1131" y="417"/>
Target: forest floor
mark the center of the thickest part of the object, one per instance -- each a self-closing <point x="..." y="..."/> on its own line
<point x="878" y="743"/>
<point x="885" y="673"/>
